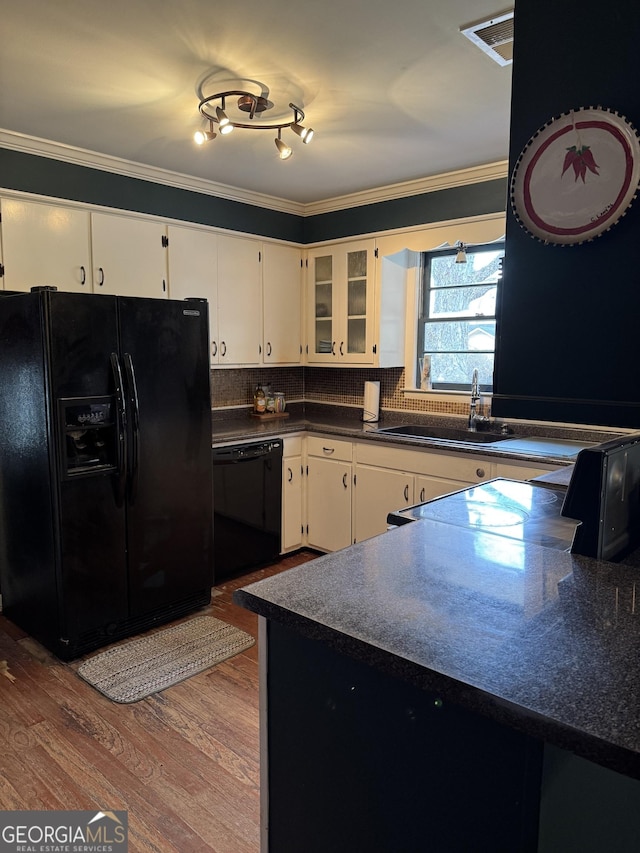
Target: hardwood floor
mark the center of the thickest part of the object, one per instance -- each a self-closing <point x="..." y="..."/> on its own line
<point x="184" y="763"/>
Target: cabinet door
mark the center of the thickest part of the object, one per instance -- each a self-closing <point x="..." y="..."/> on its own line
<point x="427" y="488"/>
<point x="341" y="304"/>
<point x="321" y="307"/>
<point x="45" y="245"/>
<point x="329" y="504"/>
<point x="129" y="256"/>
<point x="239" y="302"/>
<point x="281" y="304"/>
<point x="355" y="342"/>
<point x="193" y="271"/>
<point x="291" y="503"/>
<point x="378" y="491"/>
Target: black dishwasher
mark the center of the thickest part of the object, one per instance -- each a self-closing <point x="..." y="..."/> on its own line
<point x="247" y="506"/>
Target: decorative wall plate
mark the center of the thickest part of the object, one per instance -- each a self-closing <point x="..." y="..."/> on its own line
<point x="576" y="176"/>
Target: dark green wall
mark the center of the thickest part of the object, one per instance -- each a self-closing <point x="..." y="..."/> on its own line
<point x="48" y="177"/>
<point x="44" y="176"/>
<point x="568" y="343"/>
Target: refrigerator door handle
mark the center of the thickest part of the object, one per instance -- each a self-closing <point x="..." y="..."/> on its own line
<point x="135" y="426"/>
<point x="121" y="416"/>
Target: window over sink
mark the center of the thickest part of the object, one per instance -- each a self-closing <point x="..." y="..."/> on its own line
<point x="457" y="318"/>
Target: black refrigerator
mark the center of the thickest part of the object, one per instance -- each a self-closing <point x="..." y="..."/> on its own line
<point x="105" y="465"/>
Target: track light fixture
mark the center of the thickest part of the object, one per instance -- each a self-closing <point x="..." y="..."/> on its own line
<point x="461" y="257"/>
<point x="255" y="106"/>
<point x="283" y="149"/>
<point x="202" y="136"/>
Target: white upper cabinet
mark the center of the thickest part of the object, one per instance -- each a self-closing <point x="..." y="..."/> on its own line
<point x="45" y="245"/>
<point x="355" y="314"/>
<point x="193" y="271"/>
<point x="129" y="256"/>
<point x="341" y="303"/>
<point x="281" y="304"/>
<point x="239" y="301"/>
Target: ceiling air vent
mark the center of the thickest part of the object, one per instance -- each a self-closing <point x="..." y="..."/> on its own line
<point x="494" y="37"/>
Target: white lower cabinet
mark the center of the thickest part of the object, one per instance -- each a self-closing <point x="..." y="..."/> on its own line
<point x="345" y="490"/>
<point x="292" y="494"/>
<point x="329" y="489"/>
<point x="377" y="492"/>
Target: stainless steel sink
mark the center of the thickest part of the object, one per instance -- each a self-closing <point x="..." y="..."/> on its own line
<point x="444" y="433"/>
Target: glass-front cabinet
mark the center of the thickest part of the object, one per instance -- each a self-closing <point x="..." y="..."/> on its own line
<point x="342" y="304"/>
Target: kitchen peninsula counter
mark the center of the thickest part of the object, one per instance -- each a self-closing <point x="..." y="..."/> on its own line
<point x="532" y="640"/>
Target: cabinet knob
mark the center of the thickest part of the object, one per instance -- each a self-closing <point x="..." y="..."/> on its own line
<point x="480" y="472"/>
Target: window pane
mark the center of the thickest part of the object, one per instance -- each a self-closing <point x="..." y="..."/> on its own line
<point x="460" y="335"/>
<point x="481" y="267"/>
<point x="324" y="268"/>
<point x="477" y="300"/>
<point x="357" y="264"/>
<point x="449" y="369"/>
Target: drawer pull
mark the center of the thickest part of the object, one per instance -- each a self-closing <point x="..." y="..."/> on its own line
<point x="480" y="472"/>
<point x="328" y="450"/>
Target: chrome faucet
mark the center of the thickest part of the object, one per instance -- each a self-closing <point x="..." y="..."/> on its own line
<point x="475" y="396"/>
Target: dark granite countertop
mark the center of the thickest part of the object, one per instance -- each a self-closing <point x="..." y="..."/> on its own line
<point x="345" y="422"/>
<point x="538" y="639"/>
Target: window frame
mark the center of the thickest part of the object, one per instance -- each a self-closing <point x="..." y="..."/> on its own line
<point x="423" y="314"/>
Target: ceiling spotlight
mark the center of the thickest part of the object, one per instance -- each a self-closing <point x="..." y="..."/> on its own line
<point x="305" y="133"/>
<point x="283" y="149"/>
<point x="253" y="106"/>
<point x="222" y="118"/>
<point x="202" y="136"/>
<point x="461" y="257"/>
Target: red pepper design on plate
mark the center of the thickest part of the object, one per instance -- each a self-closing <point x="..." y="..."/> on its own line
<point x="581" y="159"/>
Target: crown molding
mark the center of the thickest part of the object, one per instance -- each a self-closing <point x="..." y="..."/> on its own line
<point x="444" y="181"/>
<point x="105" y="162"/>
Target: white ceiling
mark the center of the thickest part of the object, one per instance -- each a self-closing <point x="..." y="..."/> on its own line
<point x="393" y="90"/>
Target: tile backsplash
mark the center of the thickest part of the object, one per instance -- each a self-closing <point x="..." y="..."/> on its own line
<point x="234" y="387"/>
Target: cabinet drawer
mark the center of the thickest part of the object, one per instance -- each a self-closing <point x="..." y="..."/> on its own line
<point x="522" y="470"/>
<point x="450" y="465"/>
<point x="329" y="448"/>
<point x="292" y="445"/>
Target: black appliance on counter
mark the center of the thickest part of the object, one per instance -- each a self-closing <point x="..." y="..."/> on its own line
<point x="604" y="495"/>
<point x="247" y="489"/>
<point x="105" y="466"/>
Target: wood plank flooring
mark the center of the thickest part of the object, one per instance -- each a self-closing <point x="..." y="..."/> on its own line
<point x="184" y="763"/>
